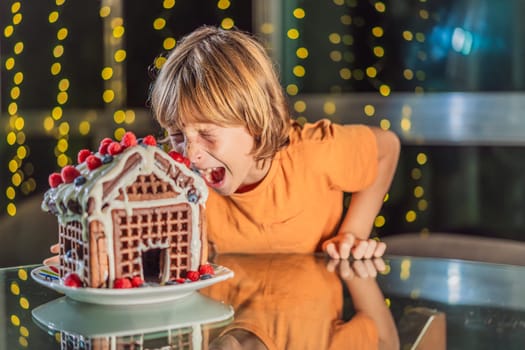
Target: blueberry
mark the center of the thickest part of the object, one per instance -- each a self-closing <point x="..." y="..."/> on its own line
<point x="193" y="198"/>
<point x="107" y="158"/>
<point x="80" y="180"/>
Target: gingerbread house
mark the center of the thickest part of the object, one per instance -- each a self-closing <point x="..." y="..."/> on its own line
<point x="139" y="213"/>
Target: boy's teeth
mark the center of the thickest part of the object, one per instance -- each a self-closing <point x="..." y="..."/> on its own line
<point x="206" y="173"/>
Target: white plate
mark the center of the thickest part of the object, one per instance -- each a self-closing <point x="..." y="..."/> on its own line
<point x="141" y="295"/>
<point x="93" y="321"/>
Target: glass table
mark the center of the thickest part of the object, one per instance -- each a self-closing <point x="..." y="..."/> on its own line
<point x="289" y="302"/>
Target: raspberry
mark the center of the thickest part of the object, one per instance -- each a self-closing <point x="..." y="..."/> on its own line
<point x="206" y="269"/>
<point x="136" y="281"/>
<point x="93" y="162"/>
<point x="180" y="280"/>
<point x="176" y="156"/>
<point x="193" y="275"/>
<point x="187" y="162"/>
<point x="114" y="148"/>
<point x="82" y="155"/>
<point x="69" y="173"/>
<point x="106" y="140"/>
<point x="104" y="144"/>
<point x="55" y="179"/>
<point x="128" y="140"/>
<point x="120" y="283"/>
<point x="149" y="140"/>
<point x="72" y="280"/>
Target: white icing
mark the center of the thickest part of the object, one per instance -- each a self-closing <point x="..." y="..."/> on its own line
<point x="93" y="189"/>
<point x="197" y="336"/>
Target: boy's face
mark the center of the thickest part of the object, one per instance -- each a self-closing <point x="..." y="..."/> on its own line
<point x="220" y="154"/>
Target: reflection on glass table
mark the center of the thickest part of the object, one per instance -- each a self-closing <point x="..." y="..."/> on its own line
<point x="304" y="301"/>
<point x="484" y="303"/>
<point x="178" y="324"/>
<point x="297" y="302"/>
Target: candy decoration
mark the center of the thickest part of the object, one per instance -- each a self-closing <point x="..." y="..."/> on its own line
<point x="82" y="155"/>
<point x="72" y="280"/>
<point x="192" y="195"/>
<point x="69" y="173"/>
<point x="55" y="179"/>
<point x="80" y="180"/>
<point x="104" y="144"/>
<point x="136" y="281"/>
<point x="115" y="148"/>
<point x="193" y="275"/>
<point x="93" y="162"/>
<point x="149" y="140"/>
<point x="107" y="158"/>
<point x="206" y="269"/>
<point x="176" y="156"/>
<point x="121" y="283"/>
<point x="128" y="140"/>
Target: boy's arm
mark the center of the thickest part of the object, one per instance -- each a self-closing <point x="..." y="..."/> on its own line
<point x="364" y="205"/>
<point x="368" y="298"/>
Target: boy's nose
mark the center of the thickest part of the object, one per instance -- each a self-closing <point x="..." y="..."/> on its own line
<point x="193" y="153"/>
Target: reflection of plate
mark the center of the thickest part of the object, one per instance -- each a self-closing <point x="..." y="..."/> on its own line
<point x="144" y="295"/>
<point x="90" y="320"/>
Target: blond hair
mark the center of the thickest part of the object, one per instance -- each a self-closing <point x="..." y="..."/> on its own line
<point x="224" y="77"/>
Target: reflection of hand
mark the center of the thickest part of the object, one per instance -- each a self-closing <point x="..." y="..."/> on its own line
<point x="54" y="260"/>
<point x="367" y="298"/>
<point x="357" y="268"/>
<point x="340" y="247"/>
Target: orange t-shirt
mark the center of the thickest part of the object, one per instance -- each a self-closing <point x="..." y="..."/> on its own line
<point x="291" y="301"/>
<point x="299" y="203"/>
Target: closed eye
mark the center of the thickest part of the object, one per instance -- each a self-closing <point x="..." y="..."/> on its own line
<point x="178" y="141"/>
<point x="177" y="137"/>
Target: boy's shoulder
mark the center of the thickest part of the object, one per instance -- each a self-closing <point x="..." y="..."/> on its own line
<point x="325" y="130"/>
<point x="318" y="131"/>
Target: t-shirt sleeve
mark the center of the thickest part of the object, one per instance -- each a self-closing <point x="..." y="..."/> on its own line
<point x="346" y="155"/>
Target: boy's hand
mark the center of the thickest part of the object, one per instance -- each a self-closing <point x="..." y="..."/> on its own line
<point x="344" y="244"/>
<point x="357" y="268"/>
<point x="54" y="260"/>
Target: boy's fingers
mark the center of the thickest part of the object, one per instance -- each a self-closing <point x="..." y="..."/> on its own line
<point x="370" y="249"/>
<point x="345" y="271"/>
<point x="379" y="264"/>
<point x="380" y="249"/>
<point x="359" y="250"/>
<point x="331" y="250"/>
<point x="331" y="265"/>
<point x="345" y="245"/>
<point x="52" y="261"/>
<point x="370" y="268"/>
<point x="360" y="268"/>
<point x="55" y="248"/>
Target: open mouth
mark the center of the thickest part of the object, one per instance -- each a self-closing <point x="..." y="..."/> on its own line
<point x="213" y="176"/>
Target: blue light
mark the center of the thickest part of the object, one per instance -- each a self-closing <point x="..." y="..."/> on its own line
<point x="462" y="41"/>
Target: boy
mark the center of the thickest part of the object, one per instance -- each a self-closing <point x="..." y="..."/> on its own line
<point x="278" y="185"/>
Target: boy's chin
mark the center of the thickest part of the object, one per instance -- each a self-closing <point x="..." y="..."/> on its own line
<point x="223" y="190"/>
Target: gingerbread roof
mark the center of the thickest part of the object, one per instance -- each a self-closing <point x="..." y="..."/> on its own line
<point x="139" y="173"/>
